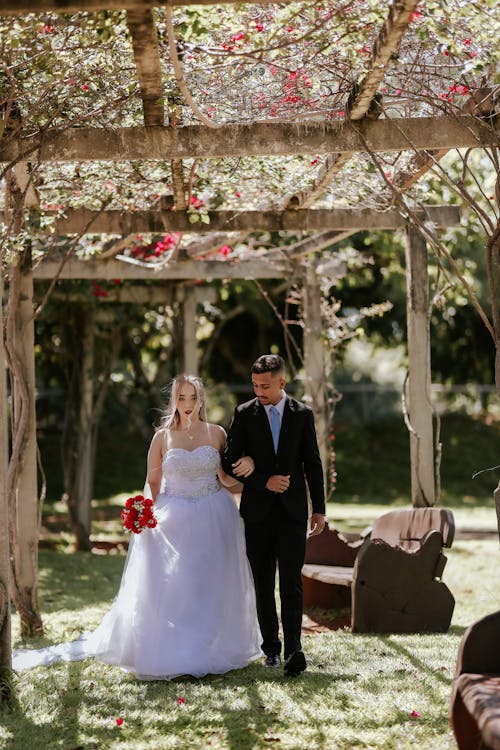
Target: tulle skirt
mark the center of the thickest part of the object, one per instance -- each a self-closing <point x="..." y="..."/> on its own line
<point x="186" y="602"/>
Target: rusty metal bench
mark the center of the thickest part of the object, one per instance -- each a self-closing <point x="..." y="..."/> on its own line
<point x="475" y="698"/>
<point x="391" y="577"/>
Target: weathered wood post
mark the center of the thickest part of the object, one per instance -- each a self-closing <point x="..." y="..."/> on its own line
<point x="5" y="636"/>
<point x="187" y="297"/>
<point x="25" y="551"/>
<point x="423" y="487"/>
<point x="314" y="359"/>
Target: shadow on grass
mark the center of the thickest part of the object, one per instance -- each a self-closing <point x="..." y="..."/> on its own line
<point x="78" y="580"/>
<point x="62" y="729"/>
<point x="419" y="664"/>
<point x="257" y="721"/>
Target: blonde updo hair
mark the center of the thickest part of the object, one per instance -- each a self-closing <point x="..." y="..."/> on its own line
<point x="171" y="419"/>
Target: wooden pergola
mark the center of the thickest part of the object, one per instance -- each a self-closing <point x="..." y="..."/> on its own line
<point x="342" y="142"/>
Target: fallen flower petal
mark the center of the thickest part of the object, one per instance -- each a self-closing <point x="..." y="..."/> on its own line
<point x="415" y="714"/>
<point x="119" y="721"/>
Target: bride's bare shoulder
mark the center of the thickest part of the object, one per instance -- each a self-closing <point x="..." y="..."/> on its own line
<point x="217" y="433"/>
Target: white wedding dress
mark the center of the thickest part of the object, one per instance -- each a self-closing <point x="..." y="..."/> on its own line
<point x="186" y="602"/>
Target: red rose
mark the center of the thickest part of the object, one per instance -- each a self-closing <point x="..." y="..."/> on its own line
<point x="138" y="514"/>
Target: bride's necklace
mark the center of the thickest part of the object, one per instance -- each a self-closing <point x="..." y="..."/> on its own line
<point x="187" y="430"/>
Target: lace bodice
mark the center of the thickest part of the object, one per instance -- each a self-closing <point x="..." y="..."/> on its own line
<point x="191" y="474"/>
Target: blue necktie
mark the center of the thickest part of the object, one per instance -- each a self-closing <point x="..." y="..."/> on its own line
<point x="275" y="426"/>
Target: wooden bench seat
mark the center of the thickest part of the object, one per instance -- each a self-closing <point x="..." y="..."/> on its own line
<point x="475" y="699"/>
<point x="331" y="574"/>
<point x="389" y="575"/>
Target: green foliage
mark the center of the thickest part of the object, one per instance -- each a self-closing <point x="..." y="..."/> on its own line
<point x="373" y="462"/>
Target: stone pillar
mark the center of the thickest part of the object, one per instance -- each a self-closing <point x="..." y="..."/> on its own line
<point x="314" y="360"/>
<point x="423" y="486"/>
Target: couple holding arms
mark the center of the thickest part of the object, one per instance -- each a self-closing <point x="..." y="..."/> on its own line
<point x="197" y="594"/>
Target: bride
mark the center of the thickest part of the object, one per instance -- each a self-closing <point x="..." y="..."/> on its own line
<point x="186" y="602"/>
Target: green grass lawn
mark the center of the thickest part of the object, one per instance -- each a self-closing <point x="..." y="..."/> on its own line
<point x="359" y="691"/>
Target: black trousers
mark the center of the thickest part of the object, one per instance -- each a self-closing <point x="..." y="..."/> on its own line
<point x="278" y="541"/>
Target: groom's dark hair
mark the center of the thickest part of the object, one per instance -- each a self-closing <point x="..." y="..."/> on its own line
<point x="269" y="363"/>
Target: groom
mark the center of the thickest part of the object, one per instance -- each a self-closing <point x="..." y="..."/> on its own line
<point x="278" y="433"/>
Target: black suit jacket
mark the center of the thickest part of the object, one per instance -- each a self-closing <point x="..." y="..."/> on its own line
<point x="298" y="455"/>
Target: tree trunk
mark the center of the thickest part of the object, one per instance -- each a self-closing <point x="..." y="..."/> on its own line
<point x="5" y="637"/>
<point x="423" y="492"/>
<point x="80" y="494"/>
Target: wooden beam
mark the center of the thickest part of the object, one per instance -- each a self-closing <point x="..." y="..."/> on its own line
<point x="189" y="269"/>
<point x="362" y="101"/>
<point x="21" y="7"/>
<point x="317" y="220"/>
<point x="135" y="294"/>
<point x="147" y="60"/>
<point x="482" y="103"/>
<point x="258" y="139"/>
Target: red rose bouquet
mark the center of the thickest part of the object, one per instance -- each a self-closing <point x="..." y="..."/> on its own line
<point x="138" y="514"/>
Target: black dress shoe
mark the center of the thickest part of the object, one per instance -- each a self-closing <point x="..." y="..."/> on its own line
<point x="272" y="661"/>
<point x="295" y="664"/>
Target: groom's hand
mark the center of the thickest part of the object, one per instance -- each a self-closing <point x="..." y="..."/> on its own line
<point x="317" y="524"/>
<point x="278" y="483"/>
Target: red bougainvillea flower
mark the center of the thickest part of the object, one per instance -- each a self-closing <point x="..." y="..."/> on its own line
<point x="459" y="89"/>
<point x="225" y="250"/>
<point x="119" y="721"/>
<point x="415" y="15"/>
<point x="85" y="87"/>
<point x="259" y="26"/>
<point x="98" y="291"/>
<point x="196" y="202"/>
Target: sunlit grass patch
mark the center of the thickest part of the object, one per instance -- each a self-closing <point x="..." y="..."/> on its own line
<point x="360" y="691"/>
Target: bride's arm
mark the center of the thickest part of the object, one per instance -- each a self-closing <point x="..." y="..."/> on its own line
<point x="227" y="481"/>
<point x="154" y="464"/>
<point x="245" y="466"/>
